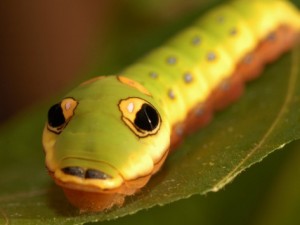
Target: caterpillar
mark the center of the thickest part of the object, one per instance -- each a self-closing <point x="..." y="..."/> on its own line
<point x="111" y="134"/>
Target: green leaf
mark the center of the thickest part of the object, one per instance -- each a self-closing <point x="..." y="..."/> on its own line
<point x="265" y="119"/>
<point x="268" y="194"/>
<point x="282" y="202"/>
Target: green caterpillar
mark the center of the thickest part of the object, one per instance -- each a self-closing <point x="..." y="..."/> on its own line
<point x="107" y="138"/>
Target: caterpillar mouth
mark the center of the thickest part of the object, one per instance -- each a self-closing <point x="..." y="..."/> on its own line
<point x="89" y="175"/>
<point x="86" y="173"/>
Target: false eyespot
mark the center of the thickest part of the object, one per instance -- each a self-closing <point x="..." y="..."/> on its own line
<point x="60" y="114"/>
<point x="140" y="116"/>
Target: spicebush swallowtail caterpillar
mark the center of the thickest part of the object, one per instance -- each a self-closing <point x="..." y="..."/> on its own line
<point x="107" y="138"/>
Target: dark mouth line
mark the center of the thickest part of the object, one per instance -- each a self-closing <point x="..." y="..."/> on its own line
<point x="85" y="173"/>
<point x="124" y="180"/>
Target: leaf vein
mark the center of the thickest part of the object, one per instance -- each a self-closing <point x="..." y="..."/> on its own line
<point x="288" y="98"/>
<point x="3" y="214"/>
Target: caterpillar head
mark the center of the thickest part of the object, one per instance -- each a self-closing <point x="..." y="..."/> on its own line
<point x="109" y="136"/>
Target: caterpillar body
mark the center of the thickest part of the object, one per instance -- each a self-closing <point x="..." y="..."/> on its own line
<point x="107" y="138"/>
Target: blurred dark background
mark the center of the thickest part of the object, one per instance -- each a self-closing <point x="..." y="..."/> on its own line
<point x="46" y="45"/>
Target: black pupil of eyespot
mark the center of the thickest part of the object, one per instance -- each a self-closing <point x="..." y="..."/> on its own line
<point x="55" y="116"/>
<point x="146" y="118"/>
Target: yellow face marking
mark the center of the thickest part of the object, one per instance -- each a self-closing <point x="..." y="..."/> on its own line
<point x="140" y="116"/>
<point x="68" y="106"/>
<point x="92" y="80"/>
<point x="134" y="84"/>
